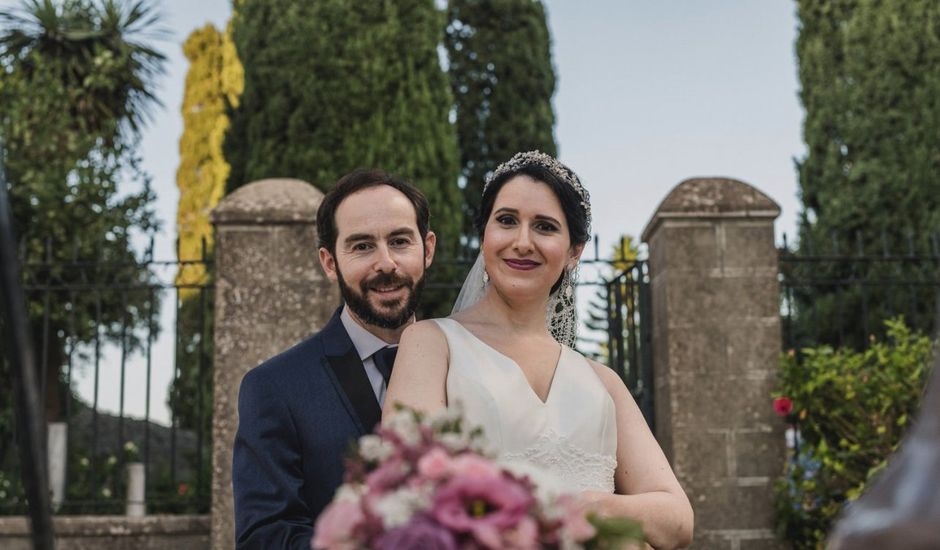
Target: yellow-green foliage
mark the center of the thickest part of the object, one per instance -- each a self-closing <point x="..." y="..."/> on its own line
<point x="233" y="74"/>
<point x="214" y="81"/>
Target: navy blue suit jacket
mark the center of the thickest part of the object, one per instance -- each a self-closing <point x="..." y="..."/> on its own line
<point x="298" y="414"/>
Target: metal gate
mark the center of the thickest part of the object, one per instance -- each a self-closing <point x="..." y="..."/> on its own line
<point x="630" y="334"/>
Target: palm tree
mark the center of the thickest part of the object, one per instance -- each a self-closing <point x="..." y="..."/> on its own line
<point x="106" y="69"/>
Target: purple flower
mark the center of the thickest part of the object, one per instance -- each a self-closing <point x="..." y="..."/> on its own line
<point x="486" y="507"/>
<point x="421" y="532"/>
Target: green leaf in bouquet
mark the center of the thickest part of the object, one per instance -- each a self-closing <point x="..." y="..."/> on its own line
<point x="613" y="533"/>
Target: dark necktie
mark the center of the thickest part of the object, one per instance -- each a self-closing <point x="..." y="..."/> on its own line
<point x="384" y="359"/>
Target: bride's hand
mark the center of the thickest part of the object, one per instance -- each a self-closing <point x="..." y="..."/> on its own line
<point x="594" y="501"/>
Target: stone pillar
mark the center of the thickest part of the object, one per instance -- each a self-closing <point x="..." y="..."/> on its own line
<point x="716" y="343"/>
<point x="270" y="293"/>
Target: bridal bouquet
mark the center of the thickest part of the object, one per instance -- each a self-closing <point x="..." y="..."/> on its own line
<point x="428" y="483"/>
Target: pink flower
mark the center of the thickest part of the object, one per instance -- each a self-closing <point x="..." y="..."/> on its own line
<point x="387" y="476"/>
<point x="524" y="536"/>
<point x="783" y="406"/>
<point x="435" y="464"/>
<point x="485" y="507"/>
<point x="471" y="465"/>
<point x="335" y="527"/>
<point x="421" y="532"/>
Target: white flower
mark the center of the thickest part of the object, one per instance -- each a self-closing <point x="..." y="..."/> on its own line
<point x="347" y="492"/>
<point x="106" y="493"/>
<point x="454" y="442"/>
<point x="404" y="425"/>
<point x="481" y="446"/>
<point x="446" y="416"/>
<point x="398" y="507"/>
<point x="372" y="447"/>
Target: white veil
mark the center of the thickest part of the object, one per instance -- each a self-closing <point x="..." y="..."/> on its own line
<point x="473" y="287"/>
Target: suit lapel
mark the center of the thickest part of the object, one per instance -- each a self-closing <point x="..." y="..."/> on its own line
<point x="352" y="378"/>
<point x="350" y="375"/>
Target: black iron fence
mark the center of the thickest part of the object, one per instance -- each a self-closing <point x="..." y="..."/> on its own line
<point x="630" y="336"/>
<point x="125" y="362"/>
<point x="836" y="295"/>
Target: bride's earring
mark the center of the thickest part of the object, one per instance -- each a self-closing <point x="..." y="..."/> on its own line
<point x="567" y="284"/>
<point x="486" y="277"/>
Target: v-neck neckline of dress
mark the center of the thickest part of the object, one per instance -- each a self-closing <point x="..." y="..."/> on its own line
<point x="518" y="368"/>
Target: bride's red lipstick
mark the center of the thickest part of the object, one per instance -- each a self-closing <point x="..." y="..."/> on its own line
<point x="522" y="265"/>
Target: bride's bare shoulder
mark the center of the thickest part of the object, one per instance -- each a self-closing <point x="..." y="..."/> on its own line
<point x="423" y="333"/>
<point x="612" y="382"/>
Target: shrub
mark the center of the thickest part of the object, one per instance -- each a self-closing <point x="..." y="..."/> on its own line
<point x="852" y="409"/>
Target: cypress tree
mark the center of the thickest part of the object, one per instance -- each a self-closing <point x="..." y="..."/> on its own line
<point x="870" y="83"/>
<point x="502" y="79"/>
<point x="335" y="85"/>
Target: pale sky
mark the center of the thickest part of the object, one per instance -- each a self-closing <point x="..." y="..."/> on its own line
<point x="649" y="93"/>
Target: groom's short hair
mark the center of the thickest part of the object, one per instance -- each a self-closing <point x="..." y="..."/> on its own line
<point x="358" y="180"/>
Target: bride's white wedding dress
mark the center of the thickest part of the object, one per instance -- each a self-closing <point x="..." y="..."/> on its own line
<point x="572" y="434"/>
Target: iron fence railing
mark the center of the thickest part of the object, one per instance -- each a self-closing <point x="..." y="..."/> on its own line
<point x="831" y="295"/>
<point x="116" y="393"/>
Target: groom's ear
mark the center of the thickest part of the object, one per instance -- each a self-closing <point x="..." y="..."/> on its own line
<point x="328" y="262"/>
<point x="430" y="241"/>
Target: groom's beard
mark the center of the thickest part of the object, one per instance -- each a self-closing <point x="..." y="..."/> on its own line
<point x="396" y="313"/>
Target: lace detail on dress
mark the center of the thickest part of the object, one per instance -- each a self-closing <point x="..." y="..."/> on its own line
<point x="577" y="469"/>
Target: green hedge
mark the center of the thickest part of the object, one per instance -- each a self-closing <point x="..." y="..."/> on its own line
<point x="852" y="408"/>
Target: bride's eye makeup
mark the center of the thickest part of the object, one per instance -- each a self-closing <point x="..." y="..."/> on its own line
<point x="546" y="227"/>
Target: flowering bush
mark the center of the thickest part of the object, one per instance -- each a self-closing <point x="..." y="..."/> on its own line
<point x="850" y="410"/>
<point x="427" y="483"/>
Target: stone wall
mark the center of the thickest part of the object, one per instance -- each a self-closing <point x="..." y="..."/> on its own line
<point x="270" y="293"/>
<point x="113" y="533"/>
<point x="716" y="341"/>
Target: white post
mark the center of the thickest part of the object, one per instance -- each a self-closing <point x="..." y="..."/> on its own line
<point x="56" y="445"/>
<point x="136" y="483"/>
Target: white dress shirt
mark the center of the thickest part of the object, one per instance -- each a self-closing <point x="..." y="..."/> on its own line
<point x="366" y="345"/>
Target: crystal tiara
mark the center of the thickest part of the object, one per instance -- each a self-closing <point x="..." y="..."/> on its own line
<point x="550" y="163"/>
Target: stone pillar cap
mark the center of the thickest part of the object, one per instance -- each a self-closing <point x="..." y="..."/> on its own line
<point x="710" y="198"/>
<point x="269" y="201"/>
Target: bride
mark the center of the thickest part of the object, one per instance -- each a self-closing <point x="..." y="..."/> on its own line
<point x="504" y="355"/>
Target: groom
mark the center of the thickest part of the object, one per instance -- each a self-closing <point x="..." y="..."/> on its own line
<point x="299" y="411"/>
